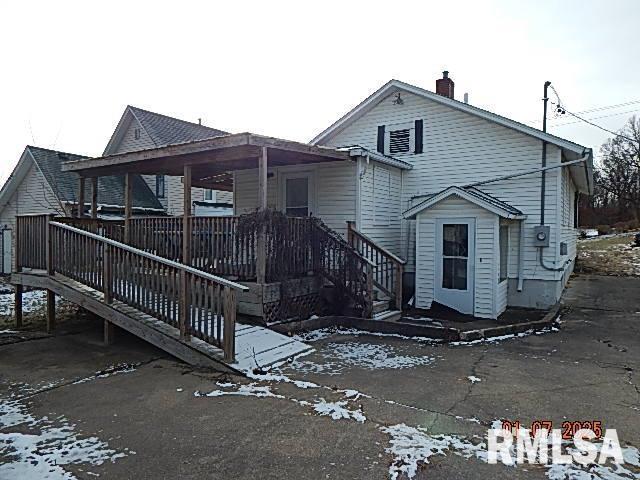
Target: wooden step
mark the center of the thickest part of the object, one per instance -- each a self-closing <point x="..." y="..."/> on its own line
<point x="380" y="306"/>
<point x="388" y="316"/>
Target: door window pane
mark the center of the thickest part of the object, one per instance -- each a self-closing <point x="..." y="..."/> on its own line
<point x="297" y="197"/>
<point x="454" y="273"/>
<point x="455" y="240"/>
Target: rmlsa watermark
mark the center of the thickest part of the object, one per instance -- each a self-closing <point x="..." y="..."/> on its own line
<point x="544" y="446"/>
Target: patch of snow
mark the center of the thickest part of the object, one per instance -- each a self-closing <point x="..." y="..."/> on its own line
<point x="412" y="446"/>
<point x="32" y="301"/>
<point x="8" y="331"/>
<point x="272" y="377"/>
<point x="337" y="411"/>
<point x="251" y="390"/>
<point x="40" y="450"/>
<point x="474" y="379"/>
<point x="179" y="389"/>
<point x="108" y="372"/>
<point x="323" y="333"/>
<point x="362" y="355"/>
<point x="501" y="338"/>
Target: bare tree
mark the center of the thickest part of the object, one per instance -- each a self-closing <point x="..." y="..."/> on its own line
<point x="619" y="173"/>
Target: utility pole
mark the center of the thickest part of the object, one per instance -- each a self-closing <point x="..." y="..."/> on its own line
<point x="545" y="100"/>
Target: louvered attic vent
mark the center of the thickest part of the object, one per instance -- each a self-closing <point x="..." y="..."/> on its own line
<point x="399" y="141"/>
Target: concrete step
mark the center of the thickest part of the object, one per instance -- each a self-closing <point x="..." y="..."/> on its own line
<point x="380" y="306"/>
<point x="388" y="315"/>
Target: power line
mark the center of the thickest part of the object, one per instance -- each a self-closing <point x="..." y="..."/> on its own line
<point x="598" y="126"/>
<point x="596" y="118"/>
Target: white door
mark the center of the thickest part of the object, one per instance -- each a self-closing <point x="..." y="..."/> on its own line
<point x="298" y="194"/>
<point x="455" y="269"/>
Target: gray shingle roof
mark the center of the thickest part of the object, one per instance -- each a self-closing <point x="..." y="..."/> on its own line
<point x="110" y="189"/>
<point x="165" y="130"/>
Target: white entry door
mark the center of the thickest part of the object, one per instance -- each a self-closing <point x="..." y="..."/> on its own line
<point x="455" y="269"/>
<point x="298" y="194"/>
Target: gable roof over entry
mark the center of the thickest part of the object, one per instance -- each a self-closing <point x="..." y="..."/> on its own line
<point x="470" y="194"/>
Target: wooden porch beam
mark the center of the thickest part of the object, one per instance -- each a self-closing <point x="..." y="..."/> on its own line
<point x="261" y="244"/>
<point x="80" y="212"/>
<point x="94" y="197"/>
<point x="185" y="294"/>
<point x="128" y="205"/>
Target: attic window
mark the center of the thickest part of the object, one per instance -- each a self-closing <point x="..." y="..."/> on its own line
<point x="136" y="134"/>
<point x="399" y="141"/>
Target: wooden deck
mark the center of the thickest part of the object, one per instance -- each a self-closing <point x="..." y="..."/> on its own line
<point x="256" y="346"/>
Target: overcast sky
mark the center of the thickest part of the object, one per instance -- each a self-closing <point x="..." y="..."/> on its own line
<point x="289" y="69"/>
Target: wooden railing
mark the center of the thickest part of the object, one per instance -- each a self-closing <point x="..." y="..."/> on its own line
<point x="198" y="303"/>
<point x="341" y="264"/>
<point x="113" y="229"/>
<point x="31" y="245"/>
<point x="388" y="268"/>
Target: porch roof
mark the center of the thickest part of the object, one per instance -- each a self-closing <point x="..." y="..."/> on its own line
<point x="211" y="159"/>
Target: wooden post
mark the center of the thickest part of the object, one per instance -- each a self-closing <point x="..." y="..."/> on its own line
<point x="109" y="333"/>
<point x="261" y="242"/>
<point x="368" y="309"/>
<point x="229" y="335"/>
<point x="185" y="294"/>
<point x="18" y="305"/>
<point x="51" y="311"/>
<point x="128" y="205"/>
<point x="107" y="281"/>
<point x="51" y="297"/>
<point x="350" y="232"/>
<point x="94" y="197"/>
<point x="399" y="275"/>
<point x="80" y="197"/>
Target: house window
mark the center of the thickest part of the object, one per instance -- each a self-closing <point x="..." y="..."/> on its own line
<point x="504" y="252"/>
<point x="381" y="193"/>
<point x="208" y="194"/>
<point x="399" y="141"/>
<point x="136" y="134"/>
<point x="160" y="187"/>
<point x="297" y="197"/>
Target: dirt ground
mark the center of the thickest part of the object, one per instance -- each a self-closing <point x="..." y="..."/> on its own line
<point x="609" y="255"/>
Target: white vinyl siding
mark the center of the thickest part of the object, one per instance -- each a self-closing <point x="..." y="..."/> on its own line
<point x="568" y="233"/>
<point x="380" y="204"/>
<point x="486" y="255"/>
<point x="334" y="192"/>
<point x="460" y="148"/>
<point x="33" y="196"/>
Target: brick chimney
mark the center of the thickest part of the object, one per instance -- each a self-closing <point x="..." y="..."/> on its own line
<point x="444" y="85"/>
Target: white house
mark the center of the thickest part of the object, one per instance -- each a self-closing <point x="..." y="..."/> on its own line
<point x="470" y="213"/>
<point x="140" y="129"/>
<point x="37" y="185"/>
<point x="460" y="193"/>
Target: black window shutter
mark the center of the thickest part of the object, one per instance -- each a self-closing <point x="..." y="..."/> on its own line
<point x="381" y="138"/>
<point x="418" y="135"/>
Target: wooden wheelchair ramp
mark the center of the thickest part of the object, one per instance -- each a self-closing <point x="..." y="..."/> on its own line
<point x="256" y="346"/>
<point x="184" y="311"/>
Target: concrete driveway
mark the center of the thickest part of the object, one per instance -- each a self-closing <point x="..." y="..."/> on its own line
<point x="360" y="406"/>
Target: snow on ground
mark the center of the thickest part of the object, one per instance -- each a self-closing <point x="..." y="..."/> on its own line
<point x="501" y="338"/>
<point x="108" y="372"/>
<point x="338" y="411"/>
<point x="474" y="379"/>
<point x="609" y="255"/>
<point x="323" y="333"/>
<point x="251" y="390"/>
<point x="339" y="356"/>
<point x="39" y="448"/>
<point x="412" y="447"/>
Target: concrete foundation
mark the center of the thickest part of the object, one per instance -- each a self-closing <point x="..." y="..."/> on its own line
<point x="541" y="294"/>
